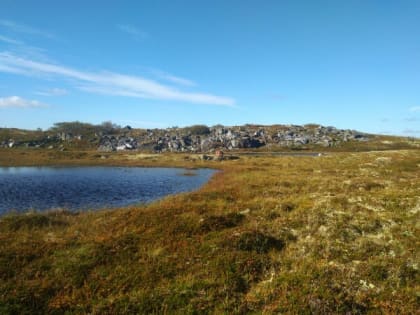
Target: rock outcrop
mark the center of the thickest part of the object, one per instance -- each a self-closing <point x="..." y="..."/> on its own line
<point x="230" y="138"/>
<point x="195" y="139"/>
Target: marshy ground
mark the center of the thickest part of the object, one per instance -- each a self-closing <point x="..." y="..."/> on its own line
<point x="332" y="234"/>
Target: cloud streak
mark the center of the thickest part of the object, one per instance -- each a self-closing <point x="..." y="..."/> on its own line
<point x="53" y="92"/>
<point x="172" y="78"/>
<point x="19" y="102"/>
<point x="9" y="40"/>
<point x="24" y="29"/>
<point x="414" y="109"/>
<point x="109" y="82"/>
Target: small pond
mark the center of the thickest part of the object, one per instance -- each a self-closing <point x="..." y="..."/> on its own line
<point x="81" y="188"/>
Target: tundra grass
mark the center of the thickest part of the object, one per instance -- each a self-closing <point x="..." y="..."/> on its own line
<point x="333" y="234"/>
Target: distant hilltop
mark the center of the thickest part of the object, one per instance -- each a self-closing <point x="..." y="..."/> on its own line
<point x="109" y="137"/>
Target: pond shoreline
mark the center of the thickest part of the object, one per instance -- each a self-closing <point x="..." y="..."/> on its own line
<point x="92" y="187"/>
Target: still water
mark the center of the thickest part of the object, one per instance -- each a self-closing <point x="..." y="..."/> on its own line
<point x="80" y="188"/>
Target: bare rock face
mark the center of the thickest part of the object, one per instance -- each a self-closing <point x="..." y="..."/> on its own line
<point x="117" y="143"/>
<point x="206" y="145"/>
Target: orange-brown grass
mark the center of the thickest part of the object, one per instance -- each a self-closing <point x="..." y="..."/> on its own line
<point x="296" y="235"/>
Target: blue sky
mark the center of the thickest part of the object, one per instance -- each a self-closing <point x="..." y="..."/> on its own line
<point x="350" y="64"/>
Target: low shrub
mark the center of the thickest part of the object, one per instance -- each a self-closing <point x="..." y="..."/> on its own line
<point x="258" y="242"/>
<point x="215" y="223"/>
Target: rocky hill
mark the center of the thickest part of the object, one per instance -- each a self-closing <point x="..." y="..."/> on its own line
<point x="203" y="139"/>
<point x="198" y="138"/>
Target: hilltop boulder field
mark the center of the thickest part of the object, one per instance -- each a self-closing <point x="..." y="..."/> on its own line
<point x="227" y="138"/>
<point x="198" y="138"/>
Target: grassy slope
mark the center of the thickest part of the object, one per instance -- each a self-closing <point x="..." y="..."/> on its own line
<point x="331" y="234"/>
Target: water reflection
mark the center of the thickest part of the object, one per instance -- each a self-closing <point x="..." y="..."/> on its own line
<point x="78" y="188"/>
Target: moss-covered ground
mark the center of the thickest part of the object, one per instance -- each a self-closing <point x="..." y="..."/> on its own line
<point x="334" y="234"/>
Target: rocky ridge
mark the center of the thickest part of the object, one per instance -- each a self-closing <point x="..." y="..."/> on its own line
<point x="198" y="138"/>
<point x="230" y="138"/>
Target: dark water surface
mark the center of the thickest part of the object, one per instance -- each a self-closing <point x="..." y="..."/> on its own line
<point x="79" y="188"/>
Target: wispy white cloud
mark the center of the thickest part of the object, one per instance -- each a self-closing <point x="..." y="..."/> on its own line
<point x="133" y="31"/>
<point x="6" y="68"/>
<point x="110" y="83"/>
<point x="414" y="109"/>
<point x="172" y="78"/>
<point x="52" y="92"/>
<point x="104" y="90"/>
<point x="21" y="48"/>
<point x="9" y="40"/>
<point x="19" y="102"/>
<point x="24" y="29"/>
